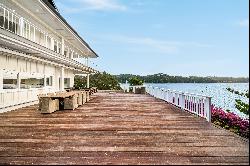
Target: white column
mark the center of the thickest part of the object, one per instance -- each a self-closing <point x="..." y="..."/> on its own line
<point x="87" y="80"/>
<point x="52" y="44"/>
<point x="88" y="73"/>
<point x="62" y="79"/>
<point x="34" y="37"/>
<point x="44" y="81"/>
<point x="29" y="37"/>
<point x="57" y="46"/>
<point x="46" y="41"/>
<point x="21" y="24"/>
<point x="1" y="80"/>
<point x="18" y="81"/>
<point x="62" y="51"/>
<point x="72" y="54"/>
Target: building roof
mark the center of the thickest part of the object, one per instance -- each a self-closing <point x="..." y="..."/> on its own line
<point x="52" y="6"/>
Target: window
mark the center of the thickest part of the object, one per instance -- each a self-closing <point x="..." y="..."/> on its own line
<point x="6" y="26"/>
<point x="49" y="81"/>
<point x="66" y="82"/>
<point x="1" y="17"/>
<point x="32" y="83"/>
<point x="9" y="83"/>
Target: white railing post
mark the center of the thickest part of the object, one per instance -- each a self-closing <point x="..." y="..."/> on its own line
<point x="182" y="101"/>
<point x="196" y="104"/>
<point x="208" y="109"/>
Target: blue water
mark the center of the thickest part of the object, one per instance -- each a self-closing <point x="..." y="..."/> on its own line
<point x="220" y="96"/>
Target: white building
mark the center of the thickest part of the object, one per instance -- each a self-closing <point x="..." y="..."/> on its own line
<point x="38" y="52"/>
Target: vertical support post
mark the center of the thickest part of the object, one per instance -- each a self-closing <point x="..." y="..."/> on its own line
<point x="1" y="79"/>
<point x="62" y="79"/>
<point x="18" y="81"/>
<point x="208" y="110"/>
<point x="12" y="21"/>
<point x="57" y="46"/>
<point x="62" y="46"/>
<point x="88" y="80"/>
<point x="8" y="20"/>
<point x="4" y="13"/>
<point x="72" y="54"/>
<point x="46" y="41"/>
<point x="44" y="81"/>
<point x="29" y="37"/>
<point x="34" y="37"/>
<point x="21" y="26"/>
<point x="52" y="44"/>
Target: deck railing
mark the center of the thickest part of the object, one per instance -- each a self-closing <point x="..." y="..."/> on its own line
<point x="13" y="97"/>
<point x="196" y="104"/>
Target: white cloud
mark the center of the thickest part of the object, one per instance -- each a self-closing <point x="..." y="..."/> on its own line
<point x="97" y="5"/>
<point x="160" y="45"/>
<point x="104" y="5"/>
<point x="244" y="23"/>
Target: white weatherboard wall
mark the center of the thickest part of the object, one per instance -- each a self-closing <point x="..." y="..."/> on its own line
<point x="12" y="66"/>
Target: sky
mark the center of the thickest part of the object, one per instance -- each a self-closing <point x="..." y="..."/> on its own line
<point x="175" y="37"/>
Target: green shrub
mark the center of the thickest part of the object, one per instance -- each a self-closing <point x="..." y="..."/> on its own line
<point x="134" y="81"/>
<point x="103" y="81"/>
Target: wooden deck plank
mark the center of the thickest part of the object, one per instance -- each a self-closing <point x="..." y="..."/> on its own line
<point x="117" y="128"/>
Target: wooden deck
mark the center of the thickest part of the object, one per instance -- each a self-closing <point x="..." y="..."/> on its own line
<point x="116" y="129"/>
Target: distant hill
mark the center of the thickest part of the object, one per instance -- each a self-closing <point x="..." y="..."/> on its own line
<point x="165" y="78"/>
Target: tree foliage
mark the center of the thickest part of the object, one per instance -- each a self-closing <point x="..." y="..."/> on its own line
<point x="103" y="81"/>
<point x="239" y="104"/>
<point x="165" y="78"/>
<point x="135" y="81"/>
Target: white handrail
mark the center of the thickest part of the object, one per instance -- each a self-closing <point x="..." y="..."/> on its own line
<point x="199" y="105"/>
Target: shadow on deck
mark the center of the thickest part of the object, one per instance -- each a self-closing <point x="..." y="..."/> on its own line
<point x="116" y="128"/>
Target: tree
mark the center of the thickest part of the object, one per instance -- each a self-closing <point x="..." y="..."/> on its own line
<point x="135" y="81"/>
<point x="240" y="105"/>
<point x="102" y="81"/>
